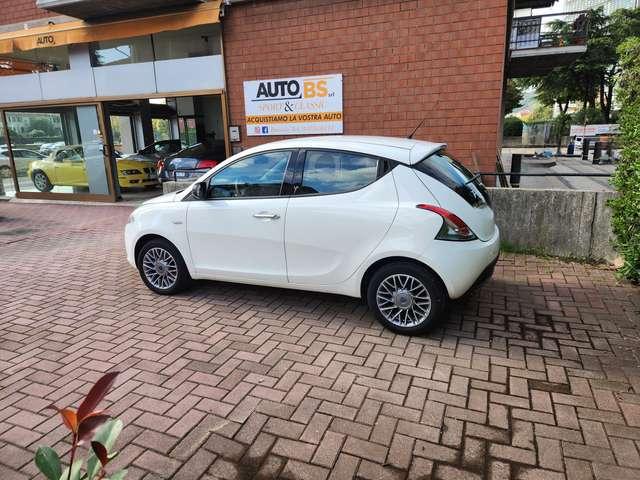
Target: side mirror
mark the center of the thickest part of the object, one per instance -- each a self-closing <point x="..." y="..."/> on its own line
<point x="199" y="190"/>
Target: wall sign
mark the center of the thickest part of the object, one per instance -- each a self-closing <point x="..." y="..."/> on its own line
<point x="294" y="106"/>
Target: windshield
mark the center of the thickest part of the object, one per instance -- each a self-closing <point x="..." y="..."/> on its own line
<point x="442" y="167"/>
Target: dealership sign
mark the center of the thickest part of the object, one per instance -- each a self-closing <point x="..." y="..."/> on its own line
<point x="594" y="130"/>
<point x="294" y="106"/>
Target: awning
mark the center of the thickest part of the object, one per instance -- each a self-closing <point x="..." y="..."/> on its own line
<point x="82" y="32"/>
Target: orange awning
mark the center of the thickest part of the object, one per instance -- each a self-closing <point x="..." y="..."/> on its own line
<point x="83" y="32"/>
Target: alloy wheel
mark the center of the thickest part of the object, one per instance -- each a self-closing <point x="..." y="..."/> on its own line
<point x="40" y="180"/>
<point x="403" y="300"/>
<point x="160" y="268"/>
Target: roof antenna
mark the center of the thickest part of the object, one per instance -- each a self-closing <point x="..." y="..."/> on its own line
<point x="416" y="129"/>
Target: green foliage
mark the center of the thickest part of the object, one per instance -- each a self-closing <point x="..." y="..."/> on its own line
<point x="590" y="79"/>
<point x="587" y="116"/>
<point x="513" y="96"/>
<point x="106" y="436"/>
<point x="512" y="127"/>
<point x="626" y="207"/>
<point x="542" y="113"/>
<point x="48" y="462"/>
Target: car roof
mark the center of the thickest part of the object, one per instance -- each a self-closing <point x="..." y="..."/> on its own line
<point x="404" y="150"/>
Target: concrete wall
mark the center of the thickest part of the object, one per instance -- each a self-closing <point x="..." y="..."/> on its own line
<point x="566" y="223"/>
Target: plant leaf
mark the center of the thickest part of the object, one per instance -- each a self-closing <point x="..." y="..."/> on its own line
<point x="101" y="452"/>
<point x="48" y="462"/>
<point x="69" y="417"/>
<point x="96" y="394"/>
<point x="75" y="471"/>
<point x="107" y="435"/>
<point x="89" y="425"/>
<point x="118" y="475"/>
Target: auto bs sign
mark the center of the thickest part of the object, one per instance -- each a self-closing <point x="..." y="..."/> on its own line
<point x="294" y="106"/>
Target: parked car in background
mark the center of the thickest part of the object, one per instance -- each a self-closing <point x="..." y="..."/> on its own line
<point x="66" y="166"/>
<point x="397" y="222"/>
<point x="192" y="162"/>
<point x="21" y="157"/>
<point x="47" y="148"/>
<point x="158" y="151"/>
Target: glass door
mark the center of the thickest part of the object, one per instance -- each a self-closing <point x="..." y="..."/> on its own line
<point x="58" y="152"/>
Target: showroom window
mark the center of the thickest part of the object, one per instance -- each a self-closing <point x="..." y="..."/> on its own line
<point x="336" y="172"/>
<point x="50" y="59"/>
<point x="122" y="51"/>
<point x="58" y="150"/>
<point x="256" y="176"/>
<point x="191" y="42"/>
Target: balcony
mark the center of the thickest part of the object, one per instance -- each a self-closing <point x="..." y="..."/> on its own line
<point x="540" y="43"/>
<point x="97" y="9"/>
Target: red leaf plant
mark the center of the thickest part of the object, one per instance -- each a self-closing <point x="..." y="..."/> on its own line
<point x="85" y="421"/>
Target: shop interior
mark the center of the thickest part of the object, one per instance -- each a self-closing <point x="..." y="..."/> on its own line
<point x="60" y="149"/>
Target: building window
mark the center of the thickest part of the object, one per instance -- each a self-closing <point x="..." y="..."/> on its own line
<point x="121" y="52"/>
<point x="191" y="42"/>
<point x="50" y="59"/>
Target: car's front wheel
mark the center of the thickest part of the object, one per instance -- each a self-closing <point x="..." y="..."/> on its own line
<point x="41" y="181"/>
<point x="5" y="171"/>
<point x="162" y="268"/>
<point x="406" y="298"/>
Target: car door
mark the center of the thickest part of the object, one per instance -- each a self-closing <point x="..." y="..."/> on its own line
<point x="70" y="167"/>
<point x="237" y="232"/>
<point x="342" y="207"/>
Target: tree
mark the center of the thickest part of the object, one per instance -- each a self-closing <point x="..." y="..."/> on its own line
<point x="512" y="127"/>
<point x="596" y="70"/>
<point x="512" y="96"/>
<point x="626" y="206"/>
<point x="559" y="88"/>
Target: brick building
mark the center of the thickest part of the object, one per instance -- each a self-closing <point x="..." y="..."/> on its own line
<point x="151" y="70"/>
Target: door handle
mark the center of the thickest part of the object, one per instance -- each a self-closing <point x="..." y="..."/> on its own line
<point x="272" y="216"/>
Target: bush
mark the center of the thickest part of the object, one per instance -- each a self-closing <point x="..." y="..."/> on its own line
<point x="588" y="116"/>
<point x="512" y="127"/>
<point x="626" y="207"/>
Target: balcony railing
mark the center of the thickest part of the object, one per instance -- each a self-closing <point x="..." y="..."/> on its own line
<point x="549" y="31"/>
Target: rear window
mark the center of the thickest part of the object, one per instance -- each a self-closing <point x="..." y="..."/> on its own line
<point x="442" y="167"/>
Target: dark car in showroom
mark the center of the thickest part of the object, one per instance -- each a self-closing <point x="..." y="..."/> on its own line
<point x="193" y="161"/>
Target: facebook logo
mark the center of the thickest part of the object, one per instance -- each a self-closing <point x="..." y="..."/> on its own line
<point x="265" y="129"/>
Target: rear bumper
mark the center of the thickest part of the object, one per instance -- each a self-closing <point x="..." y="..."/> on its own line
<point x="462" y="265"/>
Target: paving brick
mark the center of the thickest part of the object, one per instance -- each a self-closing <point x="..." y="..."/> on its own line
<point x="513" y="385"/>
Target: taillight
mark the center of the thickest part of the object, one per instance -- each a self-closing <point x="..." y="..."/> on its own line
<point x="453" y="228"/>
<point x="206" y="164"/>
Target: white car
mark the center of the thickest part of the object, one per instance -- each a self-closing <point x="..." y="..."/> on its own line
<point x="22" y="159"/>
<point x="394" y="221"/>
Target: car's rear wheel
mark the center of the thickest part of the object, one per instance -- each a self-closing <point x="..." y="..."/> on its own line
<point x="406" y="298"/>
<point x="162" y="268"/>
<point x="41" y="181"/>
<point x="5" y="171"/>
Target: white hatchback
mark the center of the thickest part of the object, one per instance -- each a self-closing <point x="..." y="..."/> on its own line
<point x="397" y="222"/>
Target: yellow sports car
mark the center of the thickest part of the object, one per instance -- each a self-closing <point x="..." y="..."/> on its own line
<point x="65" y="166"/>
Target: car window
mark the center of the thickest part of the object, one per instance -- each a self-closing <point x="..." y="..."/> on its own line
<point x="255" y="176"/>
<point x="454" y="175"/>
<point x="336" y="172"/>
<point x="17" y="154"/>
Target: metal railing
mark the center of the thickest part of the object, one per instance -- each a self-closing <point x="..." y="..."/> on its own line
<point x="547" y="31"/>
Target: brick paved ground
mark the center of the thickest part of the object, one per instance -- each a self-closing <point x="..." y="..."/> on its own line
<point x="535" y="376"/>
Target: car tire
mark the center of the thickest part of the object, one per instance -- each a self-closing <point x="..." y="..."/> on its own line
<point x="162" y="268"/>
<point x="5" y="171"/>
<point x="41" y="181"/>
<point x="406" y="298"/>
